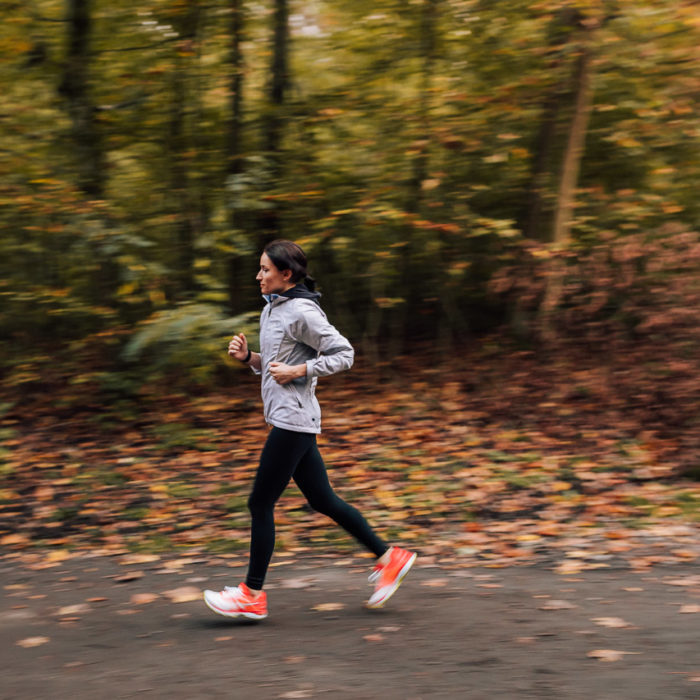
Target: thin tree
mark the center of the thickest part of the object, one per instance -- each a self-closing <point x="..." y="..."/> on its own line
<point x="180" y="145"/>
<point x="274" y="119"/>
<point x="75" y="88"/>
<point x="236" y="62"/>
<point x="569" y="177"/>
<point x="562" y="28"/>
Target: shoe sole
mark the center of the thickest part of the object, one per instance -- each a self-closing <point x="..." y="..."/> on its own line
<point x="226" y="613"/>
<point x="405" y="569"/>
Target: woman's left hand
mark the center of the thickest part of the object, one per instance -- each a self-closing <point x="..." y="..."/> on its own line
<point x="283" y="374"/>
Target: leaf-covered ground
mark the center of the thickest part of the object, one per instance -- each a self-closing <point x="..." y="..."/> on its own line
<point x="497" y="461"/>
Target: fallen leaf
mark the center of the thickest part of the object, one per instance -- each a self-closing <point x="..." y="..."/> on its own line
<point x="143" y="598"/>
<point x="131" y="576"/>
<point x="58" y="555"/>
<point x="373" y="638"/>
<point x="611" y="622"/>
<point x="303" y="582"/>
<point x="294" y="659"/>
<point x="686" y="581"/>
<point x="223" y="639"/>
<point x="558" y="605"/>
<point x="570" y="567"/>
<point x="609" y="654"/>
<point x="32" y="642"/>
<point x="690" y="609"/>
<point x="435" y="583"/>
<point x="184" y="594"/>
<point x="327" y="607"/>
<point x="685" y="553"/>
<point x="78" y="609"/>
<point x="15" y="538"/>
<point x="130" y="559"/>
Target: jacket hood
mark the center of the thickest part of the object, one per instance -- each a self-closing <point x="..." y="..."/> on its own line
<point x="300" y="291"/>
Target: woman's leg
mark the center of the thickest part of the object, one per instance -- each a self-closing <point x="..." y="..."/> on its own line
<point x="282" y="452"/>
<point x="312" y="479"/>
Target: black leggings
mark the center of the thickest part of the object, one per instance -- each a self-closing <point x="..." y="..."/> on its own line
<point x="289" y="455"/>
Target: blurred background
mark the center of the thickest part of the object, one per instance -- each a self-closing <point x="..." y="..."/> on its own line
<point x="509" y="187"/>
<point x="451" y="167"/>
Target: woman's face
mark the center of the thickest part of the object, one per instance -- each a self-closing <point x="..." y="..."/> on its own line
<point x="272" y="280"/>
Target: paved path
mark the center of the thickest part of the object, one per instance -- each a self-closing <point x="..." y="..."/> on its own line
<point x="95" y="627"/>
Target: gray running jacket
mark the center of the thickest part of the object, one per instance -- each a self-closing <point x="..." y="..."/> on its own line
<point x="293" y="331"/>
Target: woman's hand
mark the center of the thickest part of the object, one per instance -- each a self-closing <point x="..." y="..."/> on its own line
<point x="283" y="374"/>
<point x="238" y="347"/>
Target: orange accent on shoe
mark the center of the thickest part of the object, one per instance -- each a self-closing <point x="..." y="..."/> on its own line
<point x="387" y="578"/>
<point x="237" y="602"/>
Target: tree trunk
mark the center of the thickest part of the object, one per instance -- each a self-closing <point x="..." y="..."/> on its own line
<point x="235" y="126"/>
<point x="532" y="222"/>
<point x="279" y="77"/>
<point x="428" y="42"/>
<point x="567" y="183"/>
<point x="88" y="154"/>
<point x="180" y="144"/>
<point x="234" y="140"/>
<point x="75" y="88"/>
<point x="277" y="90"/>
<point x="179" y="181"/>
<point x="420" y="166"/>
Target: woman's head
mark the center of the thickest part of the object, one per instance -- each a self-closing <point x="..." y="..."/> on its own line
<point x="282" y="265"/>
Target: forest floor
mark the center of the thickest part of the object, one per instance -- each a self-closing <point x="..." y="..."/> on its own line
<point x="554" y="502"/>
<point x="135" y="626"/>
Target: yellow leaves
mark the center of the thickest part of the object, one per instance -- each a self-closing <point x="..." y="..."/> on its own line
<point x="57" y="555"/>
<point x="430" y="184"/>
<point x="389" y="302"/>
<point x="342" y="212"/>
<point x="628" y="142"/>
<point x="127" y="289"/>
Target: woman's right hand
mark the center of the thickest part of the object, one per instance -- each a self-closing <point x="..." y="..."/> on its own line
<point x="238" y="347"/>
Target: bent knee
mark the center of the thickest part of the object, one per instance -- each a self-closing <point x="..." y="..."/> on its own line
<point x="327" y="506"/>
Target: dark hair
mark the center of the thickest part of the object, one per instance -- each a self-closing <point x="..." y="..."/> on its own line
<point x="287" y="255"/>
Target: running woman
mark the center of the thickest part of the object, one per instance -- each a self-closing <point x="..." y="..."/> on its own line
<point x="297" y="345"/>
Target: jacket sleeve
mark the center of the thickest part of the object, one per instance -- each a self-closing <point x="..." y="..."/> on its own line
<point x="311" y="327"/>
